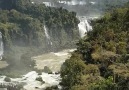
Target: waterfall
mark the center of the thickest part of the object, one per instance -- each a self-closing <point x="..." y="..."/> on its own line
<point x="84" y="26"/>
<point x="1" y="46"/>
<point x="73" y="2"/>
<point x="47" y="36"/>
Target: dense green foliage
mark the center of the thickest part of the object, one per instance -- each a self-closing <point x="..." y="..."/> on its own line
<point x="76" y="75"/>
<point x="23" y="23"/>
<point x="104" y="54"/>
<point x="22" y="26"/>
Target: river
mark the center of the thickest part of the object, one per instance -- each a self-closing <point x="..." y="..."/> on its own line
<point x="53" y="61"/>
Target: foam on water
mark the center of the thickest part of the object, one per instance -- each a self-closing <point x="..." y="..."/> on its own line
<point x="29" y="80"/>
<point x="50" y="80"/>
<point x="53" y="60"/>
<point x="31" y="83"/>
<point x="61" y="54"/>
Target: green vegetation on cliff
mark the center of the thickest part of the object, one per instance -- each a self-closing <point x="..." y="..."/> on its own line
<point x="22" y="27"/>
<point x="101" y="61"/>
<point x="22" y="22"/>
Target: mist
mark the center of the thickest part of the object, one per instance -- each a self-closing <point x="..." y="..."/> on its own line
<point x="83" y="7"/>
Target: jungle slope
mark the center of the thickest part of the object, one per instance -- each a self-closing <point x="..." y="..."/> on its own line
<point x="101" y="61"/>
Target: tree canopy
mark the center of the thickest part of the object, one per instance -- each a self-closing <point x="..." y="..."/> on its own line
<point x="105" y="51"/>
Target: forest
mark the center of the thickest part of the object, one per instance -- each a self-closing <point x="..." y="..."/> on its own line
<point x="26" y="19"/>
<point x="101" y="61"/>
<point x="23" y="24"/>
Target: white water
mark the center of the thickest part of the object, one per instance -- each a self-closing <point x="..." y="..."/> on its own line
<point x="73" y="2"/>
<point x="52" y="60"/>
<point x="84" y="26"/>
<point x="93" y="3"/>
<point x="50" y="79"/>
<point x="49" y="4"/>
<point x="70" y="3"/>
<point x="47" y="36"/>
<point x="31" y="83"/>
<point x="1" y="46"/>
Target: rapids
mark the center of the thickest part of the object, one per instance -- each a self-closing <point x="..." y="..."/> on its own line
<point x="53" y="60"/>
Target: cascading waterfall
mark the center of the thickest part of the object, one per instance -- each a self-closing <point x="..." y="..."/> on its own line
<point x="73" y="2"/>
<point x="84" y="26"/>
<point x="47" y="36"/>
<point x="1" y="46"/>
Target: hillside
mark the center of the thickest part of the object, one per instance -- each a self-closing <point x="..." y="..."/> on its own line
<point x="101" y="61"/>
<point x="31" y="29"/>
